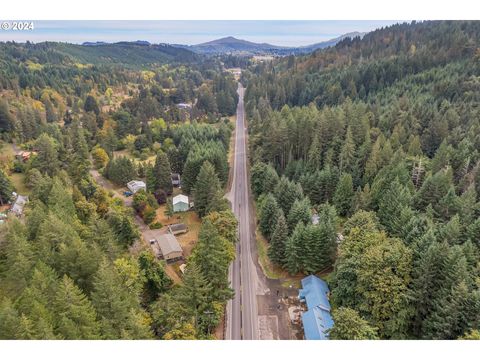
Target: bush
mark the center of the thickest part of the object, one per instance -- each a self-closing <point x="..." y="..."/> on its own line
<point x="155" y="225"/>
<point x="100" y="157"/>
<point x="161" y="197"/>
<point x="149" y="214"/>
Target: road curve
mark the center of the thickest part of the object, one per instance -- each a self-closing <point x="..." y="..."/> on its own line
<point x="242" y="313"/>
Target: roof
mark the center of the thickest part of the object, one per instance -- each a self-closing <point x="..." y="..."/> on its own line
<point x="177" y="227"/>
<point x="315" y="292"/>
<point x="136" y="185"/>
<point x="180" y="198"/>
<point x="168" y="244"/>
<point x="316" y="323"/>
<point x="317" y="320"/>
<point x="184" y="105"/>
<point x="20" y="202"/>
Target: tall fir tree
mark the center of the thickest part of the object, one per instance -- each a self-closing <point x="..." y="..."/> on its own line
<point x="208" y="191"/>
<point x="343" y="198"/>
<point x="162" y="174"/>
<point x="276" y="251"/>
<point x="269" y="213"/>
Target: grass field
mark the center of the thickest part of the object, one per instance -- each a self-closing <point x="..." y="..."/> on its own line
<point x="18" y="183"/>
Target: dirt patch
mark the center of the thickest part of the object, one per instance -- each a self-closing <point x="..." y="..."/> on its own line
<point x="219" y="332"/>
<point x="173" y="272"/>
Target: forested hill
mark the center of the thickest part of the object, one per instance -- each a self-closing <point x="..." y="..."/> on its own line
<point x="358" y="68"/>
<point x="379" y="137"/>
<point x="126" y="53"/>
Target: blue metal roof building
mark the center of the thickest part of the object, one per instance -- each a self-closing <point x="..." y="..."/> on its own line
<point x="317" y="320"/>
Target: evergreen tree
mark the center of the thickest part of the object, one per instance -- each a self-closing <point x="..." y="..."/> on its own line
<point x="9" y="321"/>
<point x="194" y="294"/>
<point x="117" y="306"/>
<point x="47" y="159"/>
<point x="320" y="241"/>
<point x="6" y="188"/>
<point x="161" y="174"/>
<point x="347" y="155"/>
<point x="300" y="212"/>
<point x="286" y="192"/>
<point x="396" y="199"/>
<point x="208" y="192"/>
<point x="276" y="251"/>
<point x="269" y="213"/>
<point x="293" y="250"/>
<point x="75" y="315"/>
<point x="213" y="255"/>
<point x="91" y="105"/>
<point x="6" y="119"/>
<point x="344" y="194"/>
<point x="264" y="178"/>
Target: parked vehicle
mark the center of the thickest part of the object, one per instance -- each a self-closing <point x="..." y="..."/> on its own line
<point x="127" y="193"/>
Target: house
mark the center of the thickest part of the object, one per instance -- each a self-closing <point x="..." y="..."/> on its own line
<point x="175" y="179"/>
<point x="176" y="229"/>
<point x="317" y="320"/>
<point x="169" y="247"/>
<point x="164" y="245"/>
<point x="136" y="185"/>
<point x="180" y="203"/>
<point x="184" y="106"/>
<point x="24" y="155"/>
<point x="19" y="204"/>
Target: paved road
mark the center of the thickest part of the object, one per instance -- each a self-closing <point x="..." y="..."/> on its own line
<point x="242" y="313"/>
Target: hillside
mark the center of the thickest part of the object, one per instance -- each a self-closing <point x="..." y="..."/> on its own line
<point x="380" y="137"/>
<point x="124" y="53"/>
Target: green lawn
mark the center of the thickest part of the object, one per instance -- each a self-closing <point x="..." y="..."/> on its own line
<point x="18" y="183"/>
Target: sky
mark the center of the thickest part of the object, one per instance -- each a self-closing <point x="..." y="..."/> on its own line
<point x="283" y="33"/>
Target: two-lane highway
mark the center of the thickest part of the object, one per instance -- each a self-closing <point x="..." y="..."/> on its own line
<point x="242" y="313"/>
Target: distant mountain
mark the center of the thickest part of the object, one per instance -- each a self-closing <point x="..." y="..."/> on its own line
<point x="232" y="45"/>
<point x="328" y="43"/>
<point x="96" y="43"/>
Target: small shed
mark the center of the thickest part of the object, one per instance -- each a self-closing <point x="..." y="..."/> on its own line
<point x="176" y="229"/>
<point x="175" y="179"/>
<point x="19" y="204"/>
<point x="317" y="320"/>
<point x="170" y="248"/>
<point x="180" y="203"/>
<point x="136" y="185"/>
